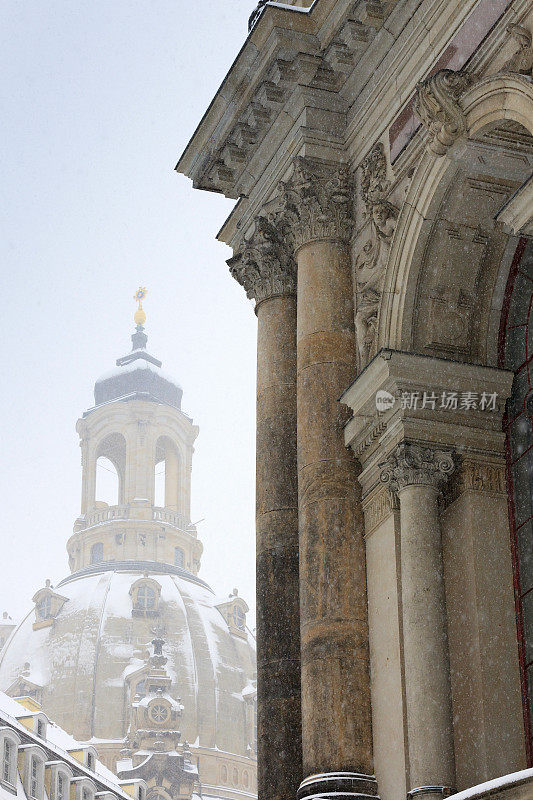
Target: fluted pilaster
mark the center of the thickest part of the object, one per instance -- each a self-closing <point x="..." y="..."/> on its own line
<point x="417" y="475"/>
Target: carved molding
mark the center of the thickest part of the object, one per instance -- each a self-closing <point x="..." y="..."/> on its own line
<point x="522" y="61"/>
<point x="317" y="202"/>
<point x="370" y="263"/>
<point x="410" y="464"/>
<point x="437" y="105"/>
<point x="476" y="477"/>
<point x="265" y="268"/>
<point x="377" y="507"/>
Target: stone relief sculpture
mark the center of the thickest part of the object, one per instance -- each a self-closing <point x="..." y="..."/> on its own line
<point x="522" y="61"/>
<point x="437" y="105"/>
<point x="369" y="267"/>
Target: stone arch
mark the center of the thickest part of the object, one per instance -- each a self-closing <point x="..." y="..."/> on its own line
<point x="168" y="453"/>
<point x="112" y="448"/>
<point x="503" y="100"/>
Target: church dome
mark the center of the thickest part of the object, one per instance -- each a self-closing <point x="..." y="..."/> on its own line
<point x="89" y="665"/>
<point x="133" y="652"/>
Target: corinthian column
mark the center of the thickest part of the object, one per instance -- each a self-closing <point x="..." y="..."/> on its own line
<point x="336" y="720"/>
<point x="268" y="273"/>
<point x="417" y="475"/>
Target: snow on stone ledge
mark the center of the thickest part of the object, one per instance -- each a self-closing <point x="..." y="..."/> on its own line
<point x="518" y="781"/>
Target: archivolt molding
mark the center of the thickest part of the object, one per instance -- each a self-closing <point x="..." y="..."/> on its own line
<point x="497" y="98"/>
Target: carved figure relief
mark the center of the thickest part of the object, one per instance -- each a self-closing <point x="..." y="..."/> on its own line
<point x="522" y="61"/>
<point x="370" y="264"/>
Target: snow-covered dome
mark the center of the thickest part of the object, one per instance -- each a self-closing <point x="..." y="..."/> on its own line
<point x="133" y="651"/>
<point x="90" y="664"/>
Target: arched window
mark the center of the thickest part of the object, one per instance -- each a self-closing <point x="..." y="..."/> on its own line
<point x="36" y="779"/>
<point x="107" y="482"/>
<point x="97" y="553"/>
<point x="239" y="617"/>
<point x="8" y="761"/>
<point x="145" y="594"/>
<point x="167" y="474"/>
<point x="43" y="607"/>
<point x="9" y="743"/>
<point x="145" y="599"/>
<point x="245" y="779"/>
<point x="224" y="773"/>
<point x="179" y="557"/>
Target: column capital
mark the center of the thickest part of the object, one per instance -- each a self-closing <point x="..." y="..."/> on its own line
<point x="411" y="464"/>
<point x="264" y="267"/>
<point x="317" y="202"/>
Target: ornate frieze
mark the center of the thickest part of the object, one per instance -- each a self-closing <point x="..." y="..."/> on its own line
<point x="412" y="464"/>
<point x="377" y="507"/>
<point x="437" y="105"/>
<point x="477" y="477"/>
<point x="265" y="267"/>
<point x="317" y="202"/>
<point x="522" y="61"/>
<point x="371" y="261"/>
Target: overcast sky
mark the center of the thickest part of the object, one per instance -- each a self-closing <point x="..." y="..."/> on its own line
<point x="99" y="99"/>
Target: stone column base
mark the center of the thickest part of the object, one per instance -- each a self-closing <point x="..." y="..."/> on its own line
<point x="430" y="793"/>
<point x="338" y="785"/>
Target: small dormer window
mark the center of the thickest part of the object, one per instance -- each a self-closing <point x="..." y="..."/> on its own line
<point x="47" y="605"/>
<point x="239" y="618"/>
<point x="8" y="761"/>
<point x="36" y="782"/>
<point x="145" y="595"/>
<point x="60" y="787"/>
<point x="9" y="744"/>
<point x="90" y="761"/>
<point x="44" y="608"/>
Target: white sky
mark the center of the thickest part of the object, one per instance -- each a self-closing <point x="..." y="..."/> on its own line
<point x="99" y="99"/>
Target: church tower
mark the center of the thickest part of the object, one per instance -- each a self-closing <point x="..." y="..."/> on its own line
<point x="133" y="652"/>
<point x="137" y="425"/>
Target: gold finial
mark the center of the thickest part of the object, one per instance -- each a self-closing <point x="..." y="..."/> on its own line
<point x="140" y="316"/>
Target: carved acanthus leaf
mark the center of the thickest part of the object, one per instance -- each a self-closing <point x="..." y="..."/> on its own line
<point x="437" y="105"/>
<point x="317" y="202"/>
<point x="410" y="464"/>
<point x="265" y="267"/>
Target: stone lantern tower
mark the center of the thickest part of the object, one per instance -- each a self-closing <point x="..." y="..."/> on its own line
<point x="177" y="710"/>
<point x="137" y="424"/>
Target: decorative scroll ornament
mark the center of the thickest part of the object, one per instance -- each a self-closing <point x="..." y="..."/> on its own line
<point x="410" y="464"/>
<point x="371" y="262"/>
<point x="265" y="268"/>
<point x="437" y="105"/>
<point x="317" y="202"/>
<point x="522" y="61"/>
